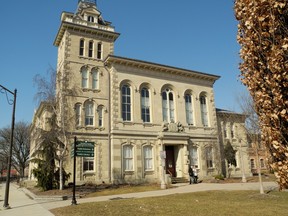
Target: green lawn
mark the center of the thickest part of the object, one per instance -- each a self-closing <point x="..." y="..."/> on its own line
<point x="224" y="203"/>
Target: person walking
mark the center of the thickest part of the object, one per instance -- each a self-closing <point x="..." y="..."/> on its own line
<point x="195" y="178"/>
<point x="191" y="174"/>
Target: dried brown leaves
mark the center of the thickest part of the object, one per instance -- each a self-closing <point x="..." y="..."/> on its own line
<point x="263" y="36"/>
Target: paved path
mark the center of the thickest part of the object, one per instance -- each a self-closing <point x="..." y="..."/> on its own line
<point x="22" y="205"/>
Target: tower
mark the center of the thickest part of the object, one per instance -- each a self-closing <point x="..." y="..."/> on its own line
<point x="84" y="40"/>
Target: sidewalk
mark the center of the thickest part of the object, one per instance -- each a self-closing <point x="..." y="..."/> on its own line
<point x="21" y="204"/>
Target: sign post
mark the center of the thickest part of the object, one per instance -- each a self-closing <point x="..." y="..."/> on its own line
<point x="80" y="149"/>
<point x="74" y="202"/>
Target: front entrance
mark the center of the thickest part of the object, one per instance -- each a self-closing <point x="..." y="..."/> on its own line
<point x="170" y="161"/>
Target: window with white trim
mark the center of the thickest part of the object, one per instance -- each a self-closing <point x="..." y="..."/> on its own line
<point x="168" y="106"/>
<point x="204" y="111"/>
<point x="90" y="50"/>
<point x="84" y="74"/>
<point x="189" y="109"/>
<point x="145" y="105"/>
<point x="126" y="102"/>
<point x="90" y="19"/>
<point x="81" y="47"/>
<point x="148" y="158"/>
<point x="88" y="164"/>
<point x="128" y="158"/>
<point x="95" y="78"/>
<point x="89" y="114"/>
<point x="100" y="116"/>
<point x="99" y="51"/>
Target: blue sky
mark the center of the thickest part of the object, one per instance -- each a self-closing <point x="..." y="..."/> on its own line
<point x="190" y="34"/>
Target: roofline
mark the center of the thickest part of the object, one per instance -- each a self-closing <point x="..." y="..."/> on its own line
<point x="146" y="64"/>
<point x="64" y="25"/>
<point x="222" y="111"/>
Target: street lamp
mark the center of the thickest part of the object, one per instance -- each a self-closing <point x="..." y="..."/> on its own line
<point x="5" y="90"/>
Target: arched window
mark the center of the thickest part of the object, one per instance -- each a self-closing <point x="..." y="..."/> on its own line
<point x="89" y="114"/>
<point x="148" y="158"/>
<point x="189" y="109"/>
<point x="128" y="158"/>
<point x="126" y="103"/>
<point x="95" y="78"/>
<point x="90" y="19"/>
<point x="145" y="105"/>
<point x="91" y="47"/>
<point x="204" y="111"/>
<point x="168" y="106"/>
<point x="100" y="116"/>
<point x="78" y="114"/>
<point x="81" y="47"/>
<point x="99" y="51"/>
<point x="84" y="73"/>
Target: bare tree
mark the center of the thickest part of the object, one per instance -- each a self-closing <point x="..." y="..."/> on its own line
<point x="252" y="128"/>
<point x="263" y="37"/>
<point x="46" y="91"/>
<point x="20" y="148"/>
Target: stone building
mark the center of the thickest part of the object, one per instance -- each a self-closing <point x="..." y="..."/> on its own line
<point x="148" y="122"/>
<point x="231" y="129"/>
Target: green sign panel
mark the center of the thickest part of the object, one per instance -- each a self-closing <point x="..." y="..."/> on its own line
<point x="83" y="149"/>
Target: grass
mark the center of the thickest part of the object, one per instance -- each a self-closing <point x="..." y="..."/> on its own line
<point x="236" y="203"/>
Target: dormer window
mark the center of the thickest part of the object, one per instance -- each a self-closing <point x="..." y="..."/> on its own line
<point x="90" y="19"/>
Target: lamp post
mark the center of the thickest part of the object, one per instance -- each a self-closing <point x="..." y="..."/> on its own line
<point x="5" y="90"/>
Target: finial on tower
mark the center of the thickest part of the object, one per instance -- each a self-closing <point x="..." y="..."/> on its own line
<point x="88" y="1"/>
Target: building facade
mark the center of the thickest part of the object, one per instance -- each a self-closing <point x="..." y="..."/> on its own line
<point x="148" y="122"/>
<point x="231" y="130"/>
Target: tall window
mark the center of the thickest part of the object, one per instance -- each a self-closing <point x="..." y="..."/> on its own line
<point x="252" y="163"/>
<point x="89" y="114"/>
<point x="126" y="103"/>
<point x="95" y="77"/>
<point x="84" y="72"/>
<point x="81" y="47"/>
<point x="99" y="51"/>
<point x="189" y="109"/>
<point x="100" y="116"/>
<point x="90" y="51"/>
<point x="232" y="131"/>
<point x="168" y="106"/>
<point x="204" y="112"/>
<point x="145" y="105"/>
<point x="209" y="157"/>
<point x="262" y="164"/>
<point x="128" y="157"/>
<point x="194" y="156"/>
<point x="88" y="164"/>
<point x="78" y="114"/>
<point x="225" y="130"/>
<point x="148" y="159"/>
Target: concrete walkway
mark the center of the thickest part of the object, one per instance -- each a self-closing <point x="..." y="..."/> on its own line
<point x="21" y="204"/>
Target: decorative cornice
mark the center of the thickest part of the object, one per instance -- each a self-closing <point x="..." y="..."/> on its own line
<point x="111" y="59"/>
<point x="83" y="29"/>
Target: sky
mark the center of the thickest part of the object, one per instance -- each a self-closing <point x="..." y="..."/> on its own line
<point x="189" y="34"/>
